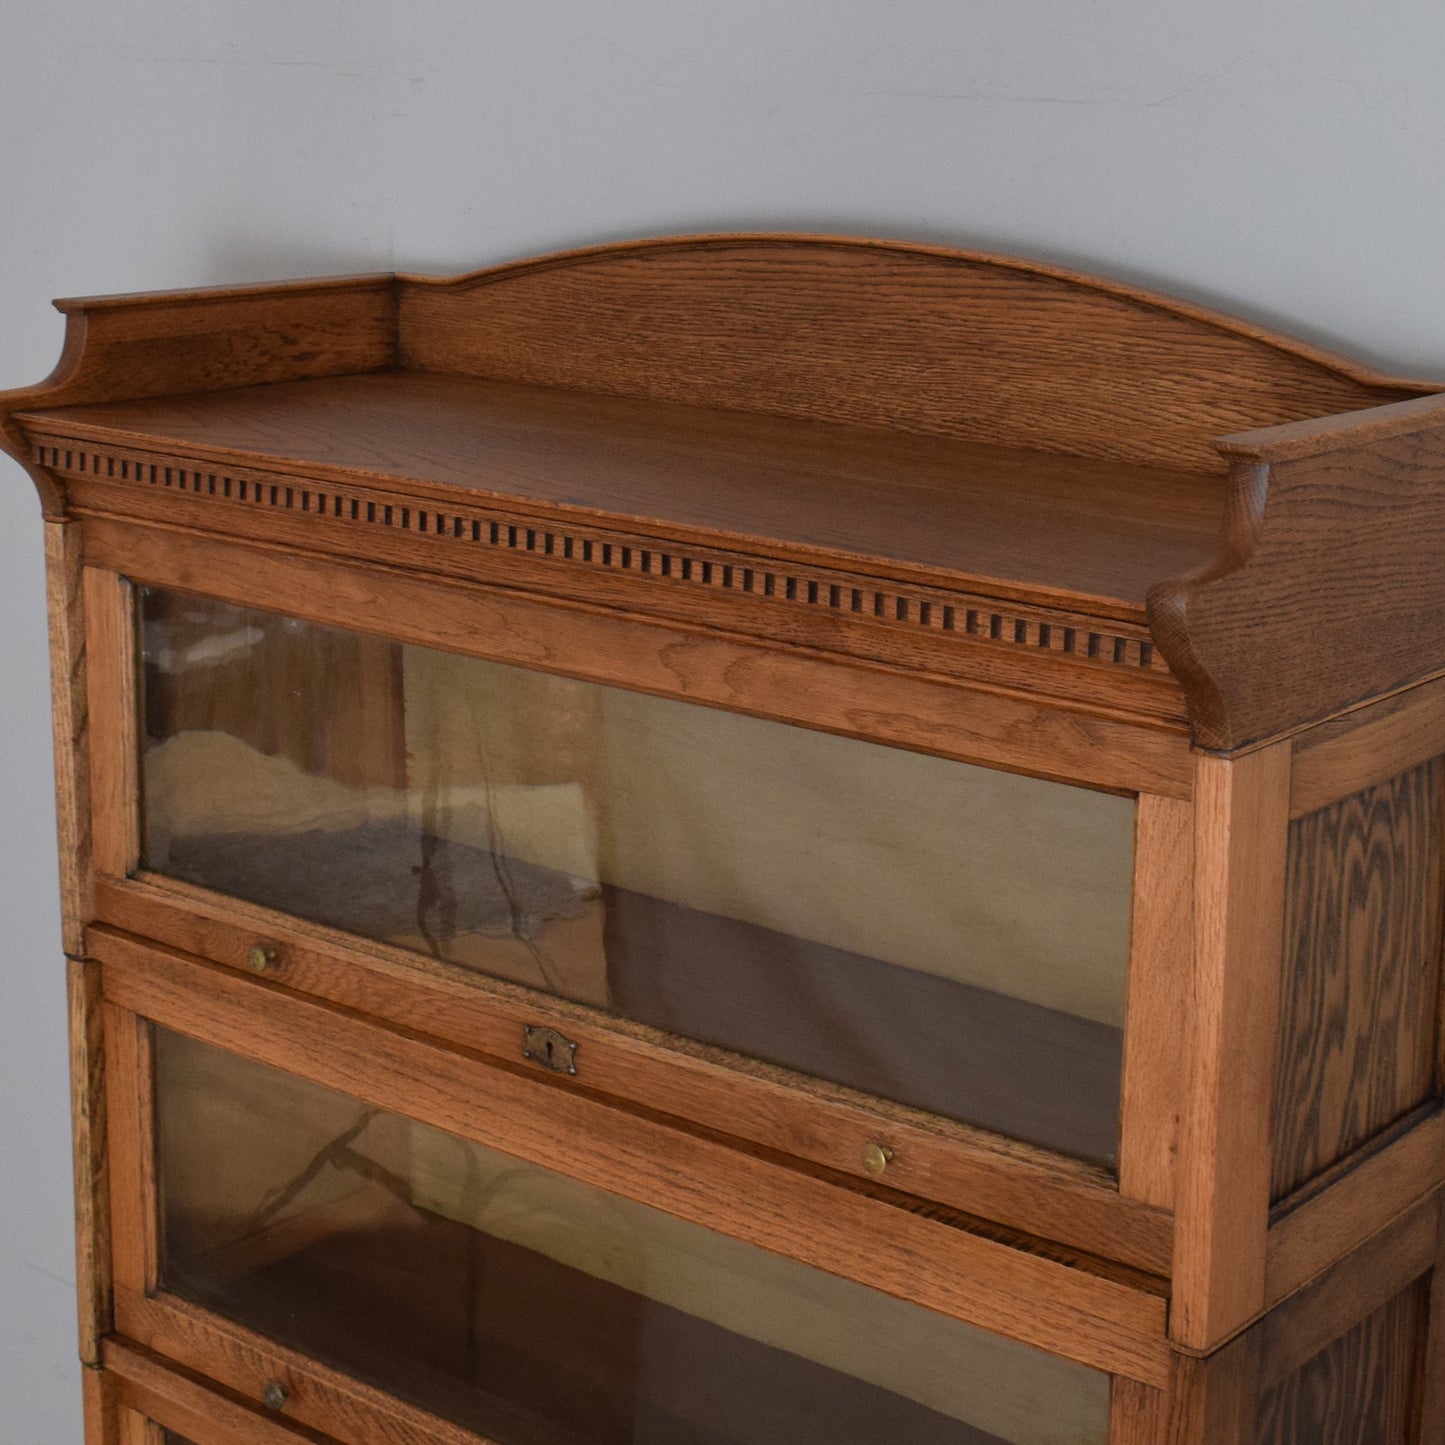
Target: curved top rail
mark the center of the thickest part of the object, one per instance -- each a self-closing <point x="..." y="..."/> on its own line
<point x="885" y="333"/>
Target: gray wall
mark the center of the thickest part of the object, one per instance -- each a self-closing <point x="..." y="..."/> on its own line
<point x="1281" y="160"/>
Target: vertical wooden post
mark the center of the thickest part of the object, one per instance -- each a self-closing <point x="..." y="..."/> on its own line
<point x="1214" y="1401"/>
<point x="111" y="694"/>
<point x="1222" y="1209"/>
<point x="1137" y="1413"/>
<point x="92" y="1216"/>
<point x="99" y="1413"/>
<point x="1161" y="962"/>
<point x="130" y="1093"/>
<point x="68" y="705"/>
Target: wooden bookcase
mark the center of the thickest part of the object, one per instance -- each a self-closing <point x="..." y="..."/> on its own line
<point x="747" y="838"/>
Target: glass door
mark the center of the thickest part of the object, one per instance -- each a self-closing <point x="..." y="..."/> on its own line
<point x="536" y="1310"/>
<point x="944" y="936"/>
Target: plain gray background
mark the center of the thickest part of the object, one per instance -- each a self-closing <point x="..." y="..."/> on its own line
<point x="1282" y="160"/>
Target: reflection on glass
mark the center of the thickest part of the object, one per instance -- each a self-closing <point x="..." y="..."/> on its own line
<point x="946" y="936"/>
<point x="534" y="1309"/>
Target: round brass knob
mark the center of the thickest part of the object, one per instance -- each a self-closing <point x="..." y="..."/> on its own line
<point x="275" y="1394"/>
<point x="876" y="1157"/>
<point x="260" y="959"/>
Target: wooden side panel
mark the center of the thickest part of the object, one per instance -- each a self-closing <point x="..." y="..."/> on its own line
<point x="1359" y="1388"/>
<point x="69" y="716"/>
<point x="1241" y="823"/>
<point x="911" y="337"/>
<point x="1359" y="1001"/>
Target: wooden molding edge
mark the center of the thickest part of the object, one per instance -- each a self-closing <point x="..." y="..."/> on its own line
<point x="475" y="538"/>
<point x="1327" y="587"/>
<point x="122" y="348"/>
<point x="1336" y="1213"/>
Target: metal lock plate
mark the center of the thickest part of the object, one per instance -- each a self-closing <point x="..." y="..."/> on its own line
<point x="550" y="1049"/>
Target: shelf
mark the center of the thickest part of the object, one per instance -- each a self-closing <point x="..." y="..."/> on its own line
<point x="1032" y="1072"/>
<point x="529" y="1351"/>
<point x="1031" y="525"/>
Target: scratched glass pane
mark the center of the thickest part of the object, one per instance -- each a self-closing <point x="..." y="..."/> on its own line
<point x="946" y="936"/>
<point x="535" y="1310"/>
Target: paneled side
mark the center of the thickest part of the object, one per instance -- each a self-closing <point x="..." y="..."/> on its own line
<point x="1359" y="1390"/>
<point x="1361" y="971"/>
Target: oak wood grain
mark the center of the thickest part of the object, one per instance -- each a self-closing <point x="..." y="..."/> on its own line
<point x="163" y="343"/>
<point x="1430" y="1394"/>
<point x="1038" y="527"/>
<point x="1101" y="1321"/>
<point x="88" y="1115"/>
<point x="1353" y="1288"/>
<point x="237" y="1364"/>
<point x="1213" y="1400"/>
<point x="133" y="1428"/>
<point x="974" y="724"/>
<point x="70" y="726"/>
<point x="1360" y="998"/>
<point x="1222" y="1203"/>
<point x="1338" y="1210"/>
<point x="1050" y="652"/>
<point x="1338" y="552"/>
<point x="1161" y="962"/>
<point x="130" y="1150"/>
<point x="1360" y="1387"/>
<point x="919" y="338"/>
<point x="183" y="1403"/>
<point x="97" y="1403"/>
<point x="972" y="1170"/>
<point x="899" y="433"/>
<point x="1137" y="1413"/>
<point x="114" y="749"/>
<point x="1367" y="745"/>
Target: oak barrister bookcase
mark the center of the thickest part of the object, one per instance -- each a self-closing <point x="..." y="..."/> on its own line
<point x="747" y="839"/>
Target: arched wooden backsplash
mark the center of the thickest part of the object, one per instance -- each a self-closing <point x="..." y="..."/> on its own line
<point x="885" y="334"/>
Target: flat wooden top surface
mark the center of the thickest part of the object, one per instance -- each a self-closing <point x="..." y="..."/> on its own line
<point x="1043" y="526"/>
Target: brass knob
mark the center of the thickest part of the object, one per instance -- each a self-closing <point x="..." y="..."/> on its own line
<point x="261" y="959"/>
<point x="275" y="1394"/>
<point x="876" y="1157"/>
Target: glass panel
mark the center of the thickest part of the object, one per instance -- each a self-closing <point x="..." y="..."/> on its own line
<point x="534" y="1309"/>
<point x="947" y="936"/>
